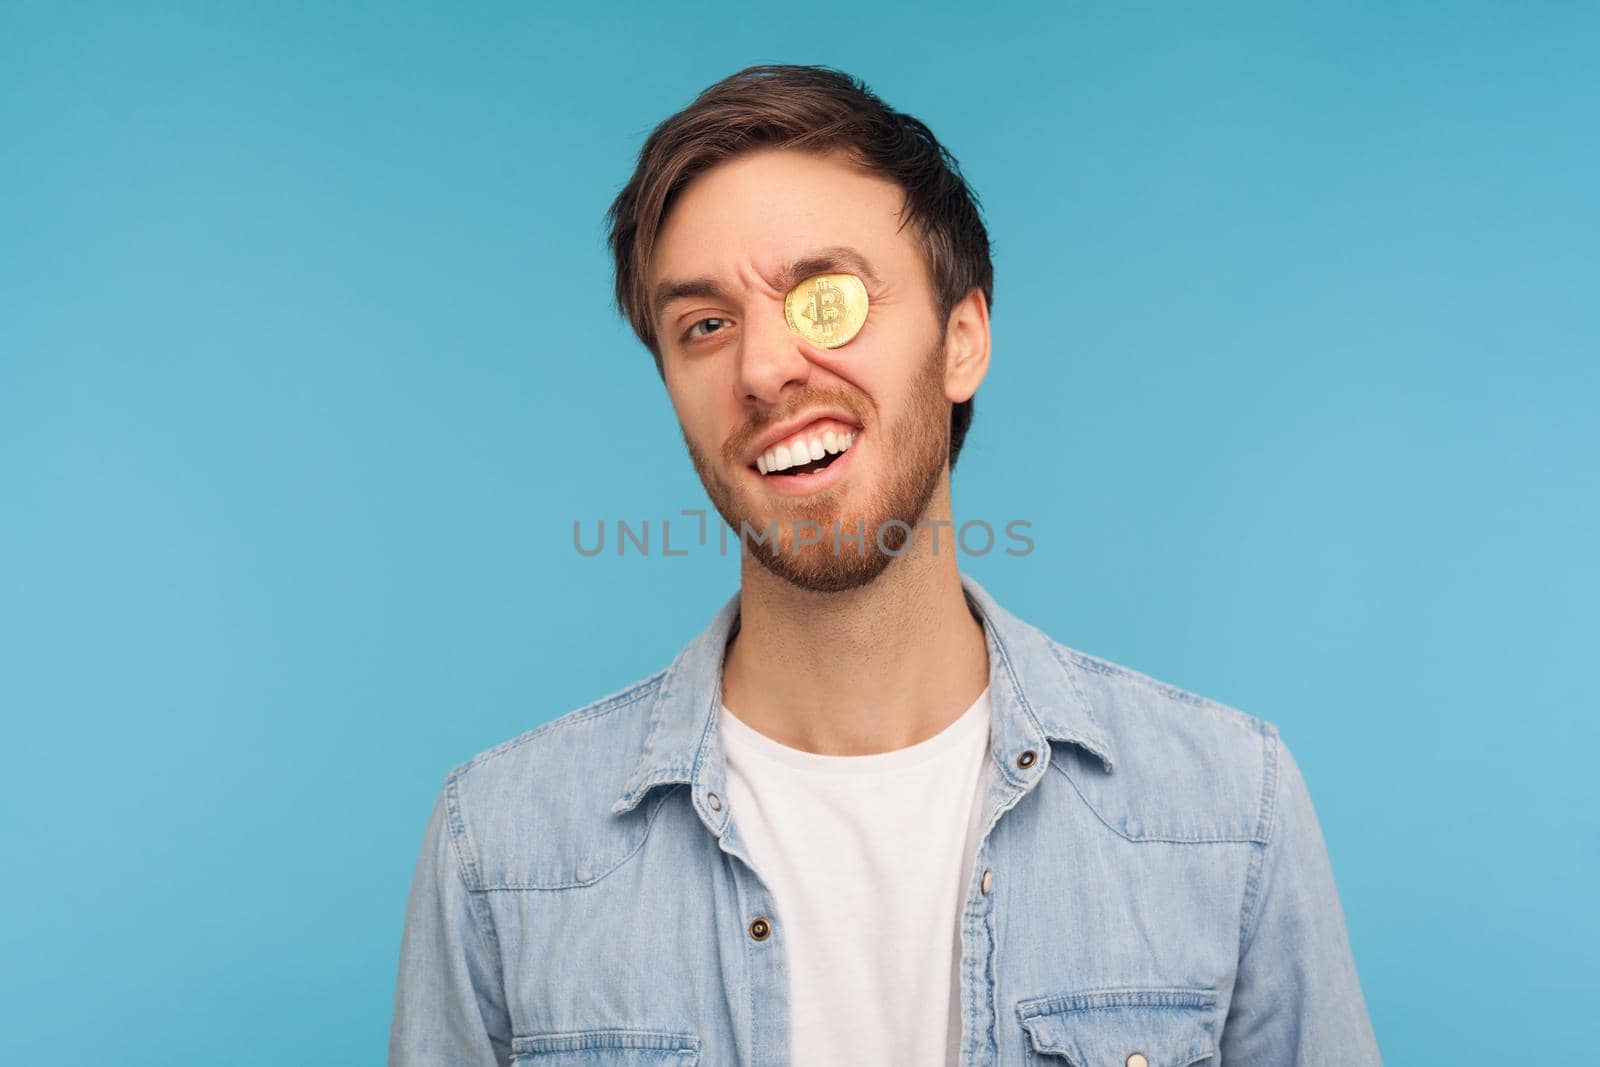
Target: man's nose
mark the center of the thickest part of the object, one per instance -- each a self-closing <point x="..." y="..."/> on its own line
<point x="770" y="357"/>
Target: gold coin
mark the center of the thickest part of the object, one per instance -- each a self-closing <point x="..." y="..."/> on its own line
<point x="827" y="309"/>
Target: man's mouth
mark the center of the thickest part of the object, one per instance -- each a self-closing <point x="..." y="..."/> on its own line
<point x="811" y="450"/>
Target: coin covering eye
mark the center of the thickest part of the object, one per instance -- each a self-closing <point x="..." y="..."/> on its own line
<point x="827" y="309"/>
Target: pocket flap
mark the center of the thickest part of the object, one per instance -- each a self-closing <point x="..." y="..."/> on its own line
<point x="591" y="1048"/>
<point x="1105" y="1028"/>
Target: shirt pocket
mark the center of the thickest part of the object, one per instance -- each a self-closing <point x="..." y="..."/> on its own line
<point x="606" y="1048"/>
<point x="1121" y="1027"/>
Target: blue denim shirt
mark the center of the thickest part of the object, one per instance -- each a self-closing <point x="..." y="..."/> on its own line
<point x="1150" y="878"/>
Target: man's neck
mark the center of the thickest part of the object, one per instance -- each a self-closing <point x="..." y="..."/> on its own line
<point x="868" y="670"/>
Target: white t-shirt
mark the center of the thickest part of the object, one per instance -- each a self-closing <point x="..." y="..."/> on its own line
<point x="867" y="859"/>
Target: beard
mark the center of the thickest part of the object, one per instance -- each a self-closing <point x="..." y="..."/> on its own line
<point x="913" y="452"/>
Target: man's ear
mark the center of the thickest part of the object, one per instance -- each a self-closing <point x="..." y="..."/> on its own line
<point x="966" y="348"/>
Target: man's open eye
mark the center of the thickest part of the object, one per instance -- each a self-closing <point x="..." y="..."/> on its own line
<point x="694" y="333"/>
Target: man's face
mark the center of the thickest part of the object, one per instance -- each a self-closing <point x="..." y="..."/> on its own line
<point x="741" y="382"/>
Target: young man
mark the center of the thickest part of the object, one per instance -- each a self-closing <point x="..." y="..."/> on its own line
<point x="867" y="816"/>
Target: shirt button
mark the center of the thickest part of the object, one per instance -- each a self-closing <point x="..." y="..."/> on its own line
<point x="715" y="801"/>
<point x="985" y="884"/>
<point x="1026" y="759"/>
<point x="1136" y="1059"/>
<point x="760" y="929"/>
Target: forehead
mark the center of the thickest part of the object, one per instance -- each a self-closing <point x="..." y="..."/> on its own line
<point x="757" y="212"/>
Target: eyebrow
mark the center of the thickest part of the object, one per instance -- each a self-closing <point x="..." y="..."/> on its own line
<point x="839" y="259"/>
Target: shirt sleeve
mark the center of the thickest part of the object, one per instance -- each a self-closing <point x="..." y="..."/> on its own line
<point x="449" y="1005"/>
<point x="1297" y="999"/>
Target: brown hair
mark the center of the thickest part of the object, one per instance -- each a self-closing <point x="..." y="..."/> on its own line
<point x="816" y="109"/>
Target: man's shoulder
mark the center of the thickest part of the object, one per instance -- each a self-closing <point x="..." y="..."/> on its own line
<point x="534" y="811"/>
<point x="572" y="734"/>
<point x="1139" y="703"/>
<point x="1187" y="767"/>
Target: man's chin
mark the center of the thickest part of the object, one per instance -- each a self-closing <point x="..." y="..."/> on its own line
<point x="803" y="534"/>
<point x="818" y="568"/>
<point x="823" y="509"/>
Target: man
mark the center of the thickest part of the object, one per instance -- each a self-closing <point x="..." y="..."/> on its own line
<point x="867" y="816"/>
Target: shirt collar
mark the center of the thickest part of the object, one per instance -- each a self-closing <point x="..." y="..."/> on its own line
<point x="1034" y="692"/>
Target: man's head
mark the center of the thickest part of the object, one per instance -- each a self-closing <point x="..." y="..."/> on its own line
<point x="769" y="176"/>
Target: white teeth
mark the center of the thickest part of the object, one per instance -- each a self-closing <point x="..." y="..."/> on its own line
<point x="803" y="450"/>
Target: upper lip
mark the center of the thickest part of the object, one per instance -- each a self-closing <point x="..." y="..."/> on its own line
<point x="799" y="422"/>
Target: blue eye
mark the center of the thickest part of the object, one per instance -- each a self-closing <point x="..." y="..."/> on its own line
<point x="692" y="335"/>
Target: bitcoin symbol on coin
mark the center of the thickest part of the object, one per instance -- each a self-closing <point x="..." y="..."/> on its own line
<point x="827" y="309"/>
<point x="825" y="306"/>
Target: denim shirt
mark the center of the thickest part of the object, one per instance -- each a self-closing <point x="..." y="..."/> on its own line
<point x="1150" y="881"/>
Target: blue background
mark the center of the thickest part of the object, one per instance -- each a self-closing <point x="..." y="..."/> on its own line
<point x="308" y="364"/>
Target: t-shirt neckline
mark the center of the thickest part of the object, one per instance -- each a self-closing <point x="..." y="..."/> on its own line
<point x="748" y="740"/>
